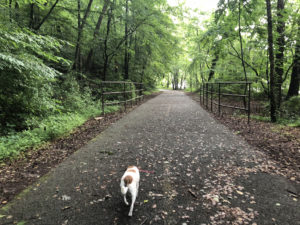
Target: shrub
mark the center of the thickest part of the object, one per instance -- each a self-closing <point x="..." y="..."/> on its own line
<point x="26" y="79"/>
<point x="49" y="129"/>
<point x="292" y="106"/>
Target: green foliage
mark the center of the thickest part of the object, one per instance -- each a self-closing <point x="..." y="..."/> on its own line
<point x="49" y="129"/>
<point x="291" y="108"/>
<point x="26" y="81"/>
<point x="38" y="88"/>
<point x="71" y="97"/>
<point x="150" y="91"/>
<point x="41" y="98"/>
<point x="232" y="45"/>
<point x="289" y="113"/>
<point x="261" y="118"/>
<point x="293" y="105"/>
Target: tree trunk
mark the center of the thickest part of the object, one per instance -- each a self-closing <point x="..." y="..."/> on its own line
<point x="295" y="76"/>
<point x="31" y="16"/>
<point x="143" y="73"/>
<point x="77" y="60"/>
<point x="17" y="10"/>
<point x="213" y="66"/>
<point x="168" y="81"/>
<point x="126" y="56"/>
<point x="176" y="79"/>
<point x="242" y="54"/>
<point x="268" y="75"/>
<point x="105" y="55"/>
<point x="10" y="13"/>
<point x="96" y="34"/>
<point x="271" y="59"/>
<point x="279" y="57"/>
<point x="46" y="17"/>
<point x="241" y="44"/>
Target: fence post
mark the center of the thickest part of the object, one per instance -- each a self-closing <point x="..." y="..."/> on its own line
<point x="124" y="95"/>
<point x="203" y="94"/>
<point x="140" y="92"/>
<point x="206" y="95"/>
<point x="131" y="94"/>
<point x="136" y="93"/>
<point x="102" y="98"/>
<point x="142" y="87"/>
<point x="139" y="85"/>
<point x="249" y="97"/>
<point x="200" y="94"/>
<point x="219" y="99"/>
<point x="211" y="97"/>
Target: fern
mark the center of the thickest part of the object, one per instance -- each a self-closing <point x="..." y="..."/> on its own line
<point x="40" y="46"/>
<point x="26" y="63"/>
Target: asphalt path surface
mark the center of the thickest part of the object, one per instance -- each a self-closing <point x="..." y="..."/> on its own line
<point x="197" y="172"/>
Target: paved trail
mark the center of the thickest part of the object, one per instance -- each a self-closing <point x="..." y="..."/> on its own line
<point x="203" y="174"/>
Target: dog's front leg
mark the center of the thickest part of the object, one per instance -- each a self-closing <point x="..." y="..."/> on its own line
<point x="125" y="200"/>
<point x="132" y="204"/>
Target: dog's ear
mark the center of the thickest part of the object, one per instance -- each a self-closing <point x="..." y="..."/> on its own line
<point x="128" y="180"/>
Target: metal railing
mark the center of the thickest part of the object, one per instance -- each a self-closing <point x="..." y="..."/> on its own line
<point x="213" y="90"/>
<point x="126" y="93"/>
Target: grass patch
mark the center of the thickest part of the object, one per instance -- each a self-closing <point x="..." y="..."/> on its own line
<point x="193" y="90"/>
<point x="289" y="122"/>
<point x="164" y="88"/>
<point x="280" y="121"/>
<point x="151" y="91"/>
<point x="50" y="128"/>
<point x="260" y="118"/>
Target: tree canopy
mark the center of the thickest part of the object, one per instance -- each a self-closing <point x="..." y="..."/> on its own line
<point x="51" y="50"/>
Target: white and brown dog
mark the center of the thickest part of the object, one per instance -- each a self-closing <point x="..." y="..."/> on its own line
<point x="130" y="181"/>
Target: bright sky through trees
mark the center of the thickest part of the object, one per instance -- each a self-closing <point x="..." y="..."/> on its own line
<point x="202" y="5"/>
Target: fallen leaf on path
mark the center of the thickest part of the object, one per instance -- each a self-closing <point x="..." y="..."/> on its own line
<point x="240" y="193"/>
<point x="192" y="193"/>
<point x="185" y="217"/>
<point x="66" y="207"/>
<point x="164" y="212"/>
<point x="108" y="196"/>
<point x="65" y="198"/>
<point x="155" y="195"/>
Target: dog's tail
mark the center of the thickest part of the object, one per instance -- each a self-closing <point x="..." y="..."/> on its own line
<point x="124" y="190"/>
